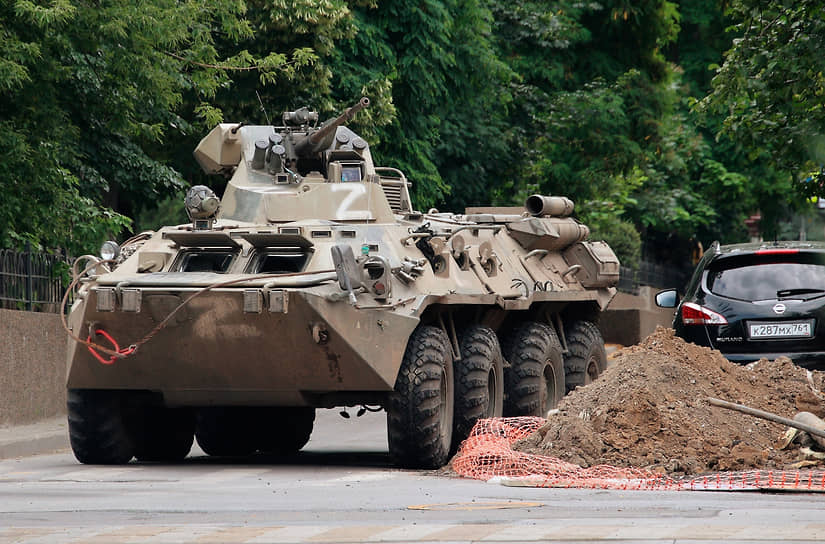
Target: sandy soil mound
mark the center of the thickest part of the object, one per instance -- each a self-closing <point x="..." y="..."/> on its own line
<point x="649" y="410"/>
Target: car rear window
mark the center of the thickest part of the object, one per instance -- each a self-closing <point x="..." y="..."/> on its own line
<point x="768" y="277"/>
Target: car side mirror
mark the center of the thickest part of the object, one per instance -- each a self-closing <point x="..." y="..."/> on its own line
<point x="667" y="298"/>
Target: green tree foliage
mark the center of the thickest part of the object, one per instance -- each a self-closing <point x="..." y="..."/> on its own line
<point x="590" y="100"/>
<point x="90" y="91"/>
<point x="442" y="90"/>
<point x="300" y="26"/>
<point x="477" y="101"/>
<point x="309" y="31"/>
<point x="41" y="194"/>
<point x="686" y="194"/>
<point x="701" y="43"/>
<point x="474" y="148"/>
<point x="708" y="31"/>
<point x="771" y="87"/>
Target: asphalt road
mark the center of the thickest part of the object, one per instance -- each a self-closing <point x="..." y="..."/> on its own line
<point x="342" y="488"/>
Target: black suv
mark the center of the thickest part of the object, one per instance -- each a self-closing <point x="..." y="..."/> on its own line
<point x="756" y="300"/>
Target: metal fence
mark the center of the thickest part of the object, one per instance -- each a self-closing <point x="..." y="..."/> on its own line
<point x="32" y="281"/>
<point x="628" y="280"/>
<point x="652" y="274"/>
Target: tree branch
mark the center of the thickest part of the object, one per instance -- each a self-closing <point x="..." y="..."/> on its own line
<point x="220" y="67"/>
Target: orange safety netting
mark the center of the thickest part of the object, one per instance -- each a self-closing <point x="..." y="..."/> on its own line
<point x="487" y="454"/>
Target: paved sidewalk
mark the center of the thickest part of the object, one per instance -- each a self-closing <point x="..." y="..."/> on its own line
<point x="45" y="436"/>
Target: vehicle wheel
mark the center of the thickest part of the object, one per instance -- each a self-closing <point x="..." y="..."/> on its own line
<point x="164" y="434"/>
<point x="226" y="431"/>
<point x="534" y="381"/>
<point x="98" y="431"/>
<point x="290" y="427"/>
<point x="586" y="358"/>
<point x="479" y="381"/>
<point x="420" y="409"/>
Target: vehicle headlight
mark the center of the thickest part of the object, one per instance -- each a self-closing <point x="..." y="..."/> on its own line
<point x="109" y="250"/>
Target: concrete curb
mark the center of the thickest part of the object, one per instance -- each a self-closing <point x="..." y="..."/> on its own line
<point x="46" y="436"/>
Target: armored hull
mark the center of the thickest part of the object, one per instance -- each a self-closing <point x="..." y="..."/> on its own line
<point x="314" y="283"/>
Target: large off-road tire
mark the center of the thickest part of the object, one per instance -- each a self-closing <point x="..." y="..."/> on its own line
<point x="534" y="381"/>
<point x="420" y="409"/>
<point x="289" y="429"/>
<point x="98" y="430"/>
<point x="164" y="434"/>
<point x="479" y="381"/>
<point x="227" y="431"/>
<point x="586" y="358"/>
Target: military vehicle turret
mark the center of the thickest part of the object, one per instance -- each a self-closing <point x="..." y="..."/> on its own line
<point x="314" y="283"/>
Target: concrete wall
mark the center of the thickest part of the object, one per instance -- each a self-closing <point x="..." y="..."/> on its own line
<point x="631" y="318"/>
<point x="32" y="367"/>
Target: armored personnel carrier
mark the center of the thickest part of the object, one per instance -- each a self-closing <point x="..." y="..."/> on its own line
<point x="314" y="283"/>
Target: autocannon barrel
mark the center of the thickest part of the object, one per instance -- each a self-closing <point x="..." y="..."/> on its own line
<point x="312" y="141"/>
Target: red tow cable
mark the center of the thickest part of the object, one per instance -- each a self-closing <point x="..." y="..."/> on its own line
<point x="121" y="352"/>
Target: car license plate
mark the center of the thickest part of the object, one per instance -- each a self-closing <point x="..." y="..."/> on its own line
<point x="791" y="329"/>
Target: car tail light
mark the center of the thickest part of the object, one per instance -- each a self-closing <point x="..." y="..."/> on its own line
<point x="693" y="314"/>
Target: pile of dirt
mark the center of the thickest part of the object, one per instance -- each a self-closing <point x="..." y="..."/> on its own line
<point x="649" y="410"/>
